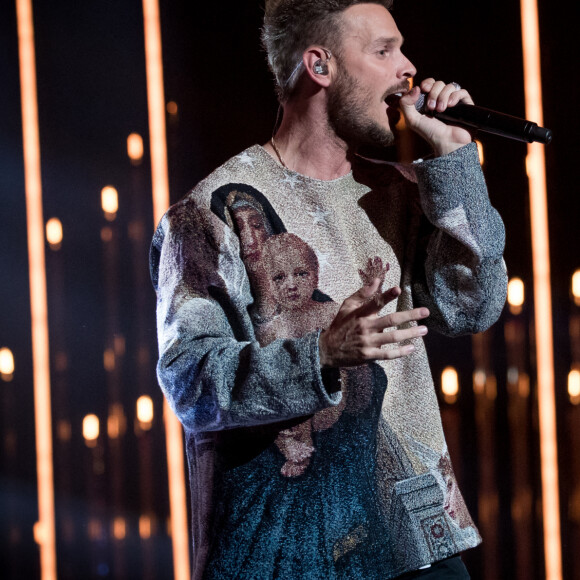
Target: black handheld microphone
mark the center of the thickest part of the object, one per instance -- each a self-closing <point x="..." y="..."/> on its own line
<point x="488" y="121"/>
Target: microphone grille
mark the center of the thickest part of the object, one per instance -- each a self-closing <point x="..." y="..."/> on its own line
<point x="420" y="105"/>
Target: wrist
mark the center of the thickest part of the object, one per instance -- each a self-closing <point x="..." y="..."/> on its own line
<point x="445" y="148"/>
<point x="322" y="355"/>
<point x="331" y="379"/>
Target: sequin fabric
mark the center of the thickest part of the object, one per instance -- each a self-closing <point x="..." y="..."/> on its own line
<point x="294" y="475"/>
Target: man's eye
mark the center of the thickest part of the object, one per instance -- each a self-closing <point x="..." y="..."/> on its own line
<point x="278" y="277"/>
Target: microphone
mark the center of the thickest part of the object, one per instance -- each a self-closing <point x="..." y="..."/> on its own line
<point x="488" y="121"/>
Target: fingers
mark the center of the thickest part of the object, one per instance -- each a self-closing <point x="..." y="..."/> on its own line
<point x="374" y="354"/>
<point x="357" y="335"/>
<point x="443" y="138"/>
<point x="395" y="319"/>
<point x="373" y="349"/>
<point x="407" y="103"/>
<point x="441" y="95"/>
<point x="361" y="297"/>
<point x="378" y="339"/>
<point x="377" y="301"/>
<point x="369" y="305"/>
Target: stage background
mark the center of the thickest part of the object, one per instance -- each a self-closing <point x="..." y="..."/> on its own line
<point x="92" y="95"/>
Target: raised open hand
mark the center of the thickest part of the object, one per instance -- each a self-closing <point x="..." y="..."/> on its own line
<point x="357" y="333"/>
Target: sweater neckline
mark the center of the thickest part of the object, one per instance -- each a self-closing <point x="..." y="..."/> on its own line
<point x="290" y="172"/>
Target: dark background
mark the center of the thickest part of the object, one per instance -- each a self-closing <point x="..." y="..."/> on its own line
<point x="92" y="94"/>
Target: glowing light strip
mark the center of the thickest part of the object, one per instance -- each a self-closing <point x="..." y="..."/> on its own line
<point x="536" y="170"/>
<point x="156" y="98"/>
<point x="177" y="494"/>
<point x="160" y="182"/>
<point x="45" y="528"/>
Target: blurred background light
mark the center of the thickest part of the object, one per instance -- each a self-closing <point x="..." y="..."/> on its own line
<point x="119" y="528"/>
<point x="574" y="386"/>
<point x="480" y="151"/>
<point x="576" y="287"/>
<point x="6" y="364"/>
<point x="116" y="421"/>
<point x="109" y="202"/>
<point x="145" y="412"/>
<point x="54" y="233"/>
<point x="145" y="527"/>
<point x="135" y="148"/>
<point x="449" y="384"/>
<point x="91" y="428"/>
<point x="516" y="295"/>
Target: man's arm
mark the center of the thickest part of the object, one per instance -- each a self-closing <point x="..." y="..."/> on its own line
<point x="460" y="275"/>
<point x="211" y="369"/>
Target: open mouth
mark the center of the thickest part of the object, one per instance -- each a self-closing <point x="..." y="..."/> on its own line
<point x="393" y="113"/>
<point x="393" y="99"/>
<point x="394" y="93"/>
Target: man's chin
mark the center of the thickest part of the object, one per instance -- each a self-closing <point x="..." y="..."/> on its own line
<point x="365" y="133"/>
<point x="379" y="137"/>
<point x="378" y="144"/>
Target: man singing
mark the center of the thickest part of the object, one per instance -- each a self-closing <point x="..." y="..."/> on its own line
<point x="294" y="286"/>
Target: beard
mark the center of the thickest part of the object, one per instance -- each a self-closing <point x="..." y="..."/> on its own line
<point x="348" y="106"/>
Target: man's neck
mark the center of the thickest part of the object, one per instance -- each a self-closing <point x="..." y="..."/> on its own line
<point x="307" y="144"/>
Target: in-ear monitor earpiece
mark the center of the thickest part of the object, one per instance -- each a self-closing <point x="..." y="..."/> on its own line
<point x="320" y="68"/>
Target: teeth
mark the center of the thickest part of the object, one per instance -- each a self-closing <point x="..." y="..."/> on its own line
<point x="398" y="94"/>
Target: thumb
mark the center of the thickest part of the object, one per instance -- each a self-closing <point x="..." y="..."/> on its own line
<point x="362" y="295"/>
<point x="379" y="300"/>
<point x="407" y="103"/>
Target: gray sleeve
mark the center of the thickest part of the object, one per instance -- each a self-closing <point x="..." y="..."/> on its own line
<point x="213" y="372"/>
<point x="460" y="274"/>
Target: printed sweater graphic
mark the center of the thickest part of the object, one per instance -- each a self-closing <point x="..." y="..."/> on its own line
<point x="294" y="474"/>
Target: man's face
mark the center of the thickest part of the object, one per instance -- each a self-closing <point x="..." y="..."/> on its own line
<point x="370" y="67"/>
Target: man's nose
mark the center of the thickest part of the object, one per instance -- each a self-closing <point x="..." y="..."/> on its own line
<point x="407" y="68"/>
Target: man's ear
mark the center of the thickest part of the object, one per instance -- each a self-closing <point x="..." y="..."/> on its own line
<point x="317" y="62"/>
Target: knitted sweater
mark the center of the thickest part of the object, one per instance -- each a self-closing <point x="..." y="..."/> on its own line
<point x="294" y="473"/>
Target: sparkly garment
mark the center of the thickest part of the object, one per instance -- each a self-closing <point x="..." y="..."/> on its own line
<point x="294" y="473"/>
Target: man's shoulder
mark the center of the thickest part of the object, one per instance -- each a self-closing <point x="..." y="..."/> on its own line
<point x="200" y="214"/>
<point x="380" y="174"/>
<point x="237" y="169"/>
<point x="206" y="201"/>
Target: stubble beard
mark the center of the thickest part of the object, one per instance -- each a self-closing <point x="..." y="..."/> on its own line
<point x="348" y="106"/>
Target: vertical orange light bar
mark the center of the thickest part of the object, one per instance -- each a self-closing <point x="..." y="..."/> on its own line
<point x="177" y="494"/>
<point x="44" y="531"/>
<point x="536" y="169"/>
<point x="160" y="181"/>
<point x="156" y="99"/>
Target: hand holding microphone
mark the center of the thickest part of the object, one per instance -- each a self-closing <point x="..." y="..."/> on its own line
<point x="443" y="138"/>
<point x="454" y="107"/>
